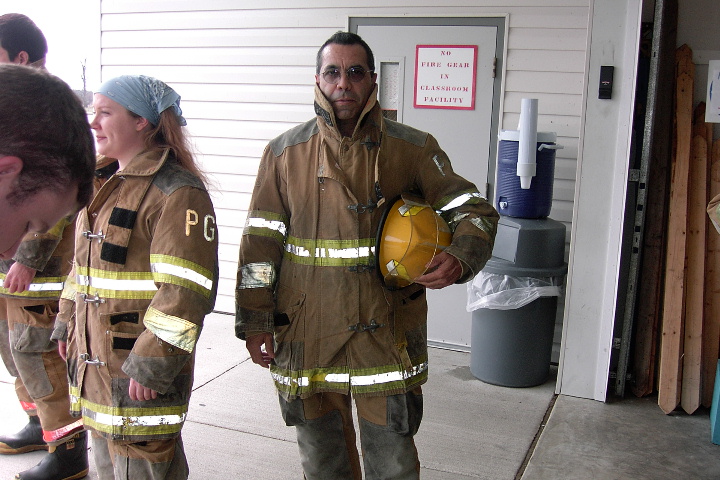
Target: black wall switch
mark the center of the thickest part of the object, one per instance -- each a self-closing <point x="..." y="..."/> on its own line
<point x="606" y="82"/>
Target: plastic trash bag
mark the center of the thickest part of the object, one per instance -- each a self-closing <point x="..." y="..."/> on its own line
<point x="503" y="292"/>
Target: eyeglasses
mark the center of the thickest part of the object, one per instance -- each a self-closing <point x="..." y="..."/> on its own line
<point x="354" y="74"/>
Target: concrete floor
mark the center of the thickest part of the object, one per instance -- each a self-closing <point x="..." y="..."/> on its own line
<point x="470" y="429"/>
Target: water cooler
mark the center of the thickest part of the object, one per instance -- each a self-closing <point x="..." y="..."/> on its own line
<point x="512" y="347"/>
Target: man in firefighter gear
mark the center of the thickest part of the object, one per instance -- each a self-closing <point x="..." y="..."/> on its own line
<point x="310" y="304"/>
<point x="31" y="285"/>
<point x="144" y="277"/>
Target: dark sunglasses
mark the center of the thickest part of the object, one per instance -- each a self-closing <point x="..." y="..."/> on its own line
<point x="354" y="74"/>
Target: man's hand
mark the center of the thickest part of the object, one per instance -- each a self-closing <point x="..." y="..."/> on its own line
<point x="443" y="270"/>
<point x="254" y="344"/>
<point x="19" y="278"/>
<point x="139" y="393"/>
<point x="62" y="349"/>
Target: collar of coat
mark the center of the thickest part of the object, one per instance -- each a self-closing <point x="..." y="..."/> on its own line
<point x="142" y="169"/>
<point x="324" y="110"/>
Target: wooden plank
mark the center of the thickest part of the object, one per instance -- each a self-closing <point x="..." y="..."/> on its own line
<point x="711" y="326"/>
<point x="695" y="276"/>
<point x="670" y="376"/>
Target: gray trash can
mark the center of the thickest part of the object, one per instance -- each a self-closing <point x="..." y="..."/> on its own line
<point x="512" y="332"/>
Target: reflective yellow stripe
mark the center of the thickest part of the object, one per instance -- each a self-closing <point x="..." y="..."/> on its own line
<point x="257" y="275"/>
<point x="366" y="380"/>
<point x="266" y="224"/>
<point x="334" y="253"/>
<point x="174" y="330"/>
<point x="75" y="399"/>
<point x="109" y="284"/>
<point x="133" y="421"/>
<point x="178" y="271"/>
<point x="42" y="287"/>
<point x="449" y="202"/>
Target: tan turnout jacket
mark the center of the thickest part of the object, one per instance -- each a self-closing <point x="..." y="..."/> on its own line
<point x="306" y="269"/>
<point x="145" y="276"/>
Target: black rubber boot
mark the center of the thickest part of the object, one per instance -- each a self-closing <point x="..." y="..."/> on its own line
<point x="67" y="461"/>
<point x="29" y="439"/>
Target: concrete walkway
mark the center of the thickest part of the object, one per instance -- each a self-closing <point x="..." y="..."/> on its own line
<point x="470" y="429"/>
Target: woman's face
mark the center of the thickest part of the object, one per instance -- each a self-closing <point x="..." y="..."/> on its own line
<point x="118" y="134"/>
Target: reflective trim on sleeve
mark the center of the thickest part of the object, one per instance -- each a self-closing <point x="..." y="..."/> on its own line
<point x="257" y="275"/>
<point x="266" y="224"/>
<point x="178" y="271"/>
<point x="460" y="198"/>
<point x="484" y="224"/>
<point x="50" y="287"/>
<point x="174" y="330"/>
<point x="330" y="253"/>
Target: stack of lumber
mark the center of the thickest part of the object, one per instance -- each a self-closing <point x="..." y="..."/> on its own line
<point x="690" y="339"/>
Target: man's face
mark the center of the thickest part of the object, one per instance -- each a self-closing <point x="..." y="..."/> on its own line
<point x="35" y="214"/>
<point x="347" y="98"/>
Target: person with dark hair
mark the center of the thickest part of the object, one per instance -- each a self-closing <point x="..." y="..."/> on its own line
<point x="46" y="170"/>
<point x="144" y="277"/>
<point x="21" y="41"/>
<point x="311" y="305"/>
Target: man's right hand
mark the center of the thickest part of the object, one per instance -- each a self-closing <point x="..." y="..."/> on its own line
<point x="254" y="345"/>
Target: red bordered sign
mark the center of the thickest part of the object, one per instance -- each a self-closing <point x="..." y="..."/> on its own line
<point x="445" y="76"/>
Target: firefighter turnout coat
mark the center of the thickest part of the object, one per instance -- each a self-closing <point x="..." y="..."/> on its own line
<point x="145" y="276"/>
<point x="306" y="267"/>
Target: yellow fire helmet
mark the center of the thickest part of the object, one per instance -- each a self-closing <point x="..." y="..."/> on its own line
<point x="409" y="236"/>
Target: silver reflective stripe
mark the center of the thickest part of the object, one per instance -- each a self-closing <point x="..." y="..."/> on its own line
<point x="379" y="378"/>
<point x="182" y="272"/>
<point x="355" y="380"/>
<point x="276" y="225"/>
<point x="283" y="380"/>
<point x="324" y="252"/>
<point x="115" y="284"/>
<point x="456" y="202"/>
<point x="46" y="287"/>
<point x="257" y="275"/>
<point x="143" y="421"/>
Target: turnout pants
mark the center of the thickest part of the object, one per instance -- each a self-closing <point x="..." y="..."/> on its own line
<point x="327" y="439"/>
<point x="40" y="373"/>
<point x="150" y="460"/>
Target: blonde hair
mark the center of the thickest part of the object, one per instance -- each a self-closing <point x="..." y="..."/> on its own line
<point x="171" y="135"/>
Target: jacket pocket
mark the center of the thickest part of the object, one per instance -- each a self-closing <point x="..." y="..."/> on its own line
<point x="290" y="313"/>
<point x="28" y="339"/>
<point x="290" y="337"/>
<point x="123" y="329"/>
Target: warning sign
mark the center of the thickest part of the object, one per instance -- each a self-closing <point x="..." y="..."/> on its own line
<point x="445" y="76"/>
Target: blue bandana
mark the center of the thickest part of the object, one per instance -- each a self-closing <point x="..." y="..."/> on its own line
<point x="144" y="96"/>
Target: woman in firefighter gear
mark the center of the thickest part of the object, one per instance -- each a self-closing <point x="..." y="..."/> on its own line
<point x="144" y="277"/>
<point x="310" y="304"/>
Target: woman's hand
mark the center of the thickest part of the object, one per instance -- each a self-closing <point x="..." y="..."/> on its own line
<point x="139" y="393"/>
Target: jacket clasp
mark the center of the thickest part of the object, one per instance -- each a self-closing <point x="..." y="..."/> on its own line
<point x="93" y="236"/>
<point x="359" y="327"/>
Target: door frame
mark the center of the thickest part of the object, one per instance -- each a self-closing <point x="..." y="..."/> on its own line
<point x="499" y="21"/>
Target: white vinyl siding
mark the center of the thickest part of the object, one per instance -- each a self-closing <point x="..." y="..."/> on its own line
<point x="245" y="72"/>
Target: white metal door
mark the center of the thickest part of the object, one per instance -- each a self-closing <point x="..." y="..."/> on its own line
<point x="465" y="134"/>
